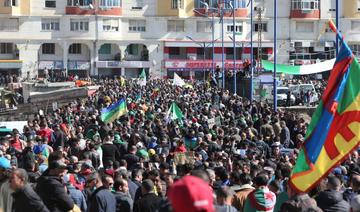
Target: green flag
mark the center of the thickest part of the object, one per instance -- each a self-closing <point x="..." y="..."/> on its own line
<point x="142" y="78"/>
<point x="174" y="112"/>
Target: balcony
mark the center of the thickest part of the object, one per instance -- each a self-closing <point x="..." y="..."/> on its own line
<point x="239" y="12"/>
<point x="110" y="8"/>
<point x="308" y="14"/>
<point x="309" y="9"/>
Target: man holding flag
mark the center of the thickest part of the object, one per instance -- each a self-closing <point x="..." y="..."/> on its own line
<point x="334" y="129"/>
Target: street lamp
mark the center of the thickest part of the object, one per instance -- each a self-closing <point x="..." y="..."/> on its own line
<point x="206" y="5"/>
<point x="204" y="46"/>
<point x="92" y="7"/>
<point x="251" y="51"/>
<point x="234" y="46"/>
<point x="275" y="57"/>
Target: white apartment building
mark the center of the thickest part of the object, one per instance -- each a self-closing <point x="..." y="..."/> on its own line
<point x="122" y="37"/>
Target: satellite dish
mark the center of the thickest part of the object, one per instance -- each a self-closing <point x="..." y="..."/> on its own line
<point x="91" y="6"/>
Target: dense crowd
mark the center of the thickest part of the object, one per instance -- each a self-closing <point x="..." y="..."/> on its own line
<point x="226" y="154"/>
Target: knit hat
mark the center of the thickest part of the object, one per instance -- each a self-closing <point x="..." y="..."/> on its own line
<point x="191" y="194"/>
<point x="262" y="199"/>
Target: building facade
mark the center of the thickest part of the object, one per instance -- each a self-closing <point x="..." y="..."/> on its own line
<point x="118" y="37"/>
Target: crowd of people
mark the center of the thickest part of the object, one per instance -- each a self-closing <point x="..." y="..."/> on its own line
<point x="225" y="154"/>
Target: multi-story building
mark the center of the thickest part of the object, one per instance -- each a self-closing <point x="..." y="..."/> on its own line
<point x="115" y="37"/>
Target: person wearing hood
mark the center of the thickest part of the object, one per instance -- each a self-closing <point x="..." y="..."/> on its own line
<point x="332" y="199"/>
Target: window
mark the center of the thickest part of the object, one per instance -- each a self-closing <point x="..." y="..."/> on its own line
<point x="79" y="24"/>
<point x="174" y="50"/>
<point x="133" y="49"/>
<point x="176" y="4"/>
<point x="175" y="26"/>
<point x="260" y="27"/>
<point x="332" y="5"/>
<point x="305" y="4"/>
<point x="9" y="24"/>
<point x="11" y="3"/>
<point x="304" y="27"/>
<point x="355" y="25"/>
<point x="48" y="24"/>
<point x="110" y="3"/>
<point x="138" y="5"/>
<point x="48" y="48"/>
<point x="76" y="3"/>
<point x="50" y="4"/>
<point x="211" y="3"/>
<point x="6" y="48"/>
<point x="111" y="25"/>
<point x="355" y="49"/>
<point x="105" y="49"/>
<point x="203" y="26"/>
<point x="238" y="28"/>
<point x="137" y="25"/>
<point x="75" y="48"/>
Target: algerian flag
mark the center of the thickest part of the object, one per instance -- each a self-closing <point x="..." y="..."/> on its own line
<point x="178" y="81"/>
<point x="142" y="78"/>
<point x="174" y="112"/>
<point x="300" y="70"/>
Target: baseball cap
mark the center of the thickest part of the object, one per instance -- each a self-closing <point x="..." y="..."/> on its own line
<point x="191" y="194"/>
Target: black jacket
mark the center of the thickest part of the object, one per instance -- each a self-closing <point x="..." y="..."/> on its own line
<point x="102" y="200"/>
<point x="148" y="203"/>
<point x="110" y="152"/>
<point x="52" y="192"/>
<point x="124" y="203"/>
<point x="331" y="200"/>
<point x="27" y="200"/>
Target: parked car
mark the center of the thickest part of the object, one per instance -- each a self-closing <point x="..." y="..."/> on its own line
<point x="282" y="94"/>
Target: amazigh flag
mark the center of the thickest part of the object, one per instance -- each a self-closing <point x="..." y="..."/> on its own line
<point x="142" y="78"/>
<point x="334" y="131"/>
<point x="174" y="112"/>
<point x="114" y="111"/>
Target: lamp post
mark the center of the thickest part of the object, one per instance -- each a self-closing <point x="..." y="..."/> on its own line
<point x="251" y="51"/>
<point x="204" y="46"/>
<point x="234" y="46"/>
<point x="222" y="43"/>
<point x="275" y="57"/>
<point x="206" y="5"/>
<point x="92" y="7"/>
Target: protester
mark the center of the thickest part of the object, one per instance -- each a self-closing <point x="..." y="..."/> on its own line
<point x="152" y="159"/>
<point x="25" y="198"/>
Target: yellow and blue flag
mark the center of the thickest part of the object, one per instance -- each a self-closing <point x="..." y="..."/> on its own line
<point x="334" y="131"/>
<point x="114" y="111"/>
